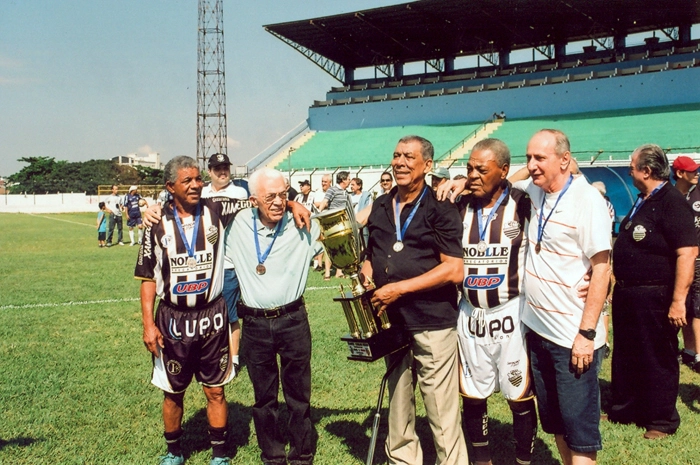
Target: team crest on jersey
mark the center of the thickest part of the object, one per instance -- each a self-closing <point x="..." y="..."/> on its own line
<point x="483" y="282"/>
<point x="696" y="206"/>
<point x="223" y="362"/>
<point x="191" y="287"/>
<point x="515" y="377"/>
<point x="639" y="233"/>
<point x="511" y="229"/>
<point x="174" y="367"/>
<point x="165" y="241"/>
<point x="212" y="234"/>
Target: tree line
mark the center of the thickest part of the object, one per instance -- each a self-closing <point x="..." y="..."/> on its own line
<point x="46" y="175"/>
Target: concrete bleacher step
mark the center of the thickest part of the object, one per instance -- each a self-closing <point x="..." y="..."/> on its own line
<point x="485" y="131"/>
<point x="284" y="153"/>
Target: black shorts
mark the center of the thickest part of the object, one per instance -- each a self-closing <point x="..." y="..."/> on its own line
<point x="196" y="343"/>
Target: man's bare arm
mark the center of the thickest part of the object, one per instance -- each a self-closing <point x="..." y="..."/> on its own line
<point x="152" y="337"/>
<point x="582" y="349"/>
<point x="685" y="270"/>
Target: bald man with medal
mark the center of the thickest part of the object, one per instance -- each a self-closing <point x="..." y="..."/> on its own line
<point x="570" y="225"/>
<point x="272" y="259"/>
<point x="414" y="256"/>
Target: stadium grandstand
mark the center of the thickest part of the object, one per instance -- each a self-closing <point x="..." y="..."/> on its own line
<point x="612" y="75"/>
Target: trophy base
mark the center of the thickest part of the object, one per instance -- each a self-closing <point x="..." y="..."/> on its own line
<point x="378" y="346"/>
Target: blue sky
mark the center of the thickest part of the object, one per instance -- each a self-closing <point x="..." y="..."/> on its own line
<point x="83" y="80"/>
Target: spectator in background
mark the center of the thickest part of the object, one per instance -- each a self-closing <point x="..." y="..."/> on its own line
<point x="132" y="207"/>
<point x="600" y="186"/>
<point x="358" y="198"/>
<point x="439" y="176"/>
<point x="306" y="197"/>
<point x="686" y="174"/>
<point x="101" y="224"/>
<point x="653" y="260"/>
<point x="113" y="204"/>
<point x="336" y="197"/>
<point x="221" y="185"/>
<point x="319" y="195"/>
<point x="385" y="184"/>
<point x="291" y="192"/>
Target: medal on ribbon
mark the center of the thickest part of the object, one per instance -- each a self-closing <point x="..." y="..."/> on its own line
<point x="191" y="261"/>
<point x="483" y="226"/>
<point x="541" y="225"/>
<point x="401" y="231"/>
<point x="260" y="269"/>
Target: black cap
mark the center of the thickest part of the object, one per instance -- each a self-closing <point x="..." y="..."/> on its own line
<point x="304" y="182"/>
<point x="218" y="159"/>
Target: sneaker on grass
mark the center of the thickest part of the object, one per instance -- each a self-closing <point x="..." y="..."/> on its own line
<point x="171" y="459"/>
<point x="220" y="461"/>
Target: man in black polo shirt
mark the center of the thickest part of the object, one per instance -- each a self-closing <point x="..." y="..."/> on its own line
<point x="416" y="261"/>
<point x="653" y="262"/>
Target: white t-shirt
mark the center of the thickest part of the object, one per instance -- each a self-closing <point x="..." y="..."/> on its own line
<point x="578" y="229"/>
<point x="231" y="191"/>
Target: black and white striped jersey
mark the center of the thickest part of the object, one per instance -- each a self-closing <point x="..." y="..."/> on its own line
<point x="163" y="256"/>
<point x="494" y="271"/>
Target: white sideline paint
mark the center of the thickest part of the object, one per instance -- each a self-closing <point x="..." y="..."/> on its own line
<point x="104" y="301"/>
<point x="59" y="219"/>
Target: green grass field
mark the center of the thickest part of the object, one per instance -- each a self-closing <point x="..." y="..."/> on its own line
<point x="75" y="377"/>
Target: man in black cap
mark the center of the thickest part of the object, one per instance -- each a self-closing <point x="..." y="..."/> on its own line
<point x="221" y="186"/>
<point x="305" y="197"/>
<point x="685" y="171"/>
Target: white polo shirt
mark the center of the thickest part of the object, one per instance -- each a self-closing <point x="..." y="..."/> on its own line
<point x="579" y="228"/>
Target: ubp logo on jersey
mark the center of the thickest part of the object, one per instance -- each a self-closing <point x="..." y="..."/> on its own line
<point x="483" y="282"/>
<point x="191" y="287"/>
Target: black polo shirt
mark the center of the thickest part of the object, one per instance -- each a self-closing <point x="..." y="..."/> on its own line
<point x="436" y="228"/>
<point x="646" y="250"/>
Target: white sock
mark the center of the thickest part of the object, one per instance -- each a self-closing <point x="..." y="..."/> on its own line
<point x="131" y="236"/>
<point x="140" y="234"/>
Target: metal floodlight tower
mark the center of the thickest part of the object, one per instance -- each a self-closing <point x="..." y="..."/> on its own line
<point x="211" y="85"/>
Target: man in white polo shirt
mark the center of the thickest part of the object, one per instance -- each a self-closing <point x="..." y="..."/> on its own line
<point x="569" y="237"/>
<point x="271" y="257"/>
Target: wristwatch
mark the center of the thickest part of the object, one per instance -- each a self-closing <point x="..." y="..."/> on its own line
<point x="587" y="333"/>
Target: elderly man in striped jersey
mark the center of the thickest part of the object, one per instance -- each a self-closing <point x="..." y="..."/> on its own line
<point x="493" y="354"/>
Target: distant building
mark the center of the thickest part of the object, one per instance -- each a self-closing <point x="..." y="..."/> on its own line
<point x="152" y="160"/>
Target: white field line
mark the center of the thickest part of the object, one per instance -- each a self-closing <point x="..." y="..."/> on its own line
<point x="104" y="301"/>
<point x="59" y="219"/>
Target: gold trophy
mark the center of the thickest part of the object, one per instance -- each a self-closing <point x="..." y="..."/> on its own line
<point x="371" y="337"/>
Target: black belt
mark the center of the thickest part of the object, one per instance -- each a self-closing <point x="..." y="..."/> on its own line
<point x="271" y="312"/>
<point x="638" y="282"/>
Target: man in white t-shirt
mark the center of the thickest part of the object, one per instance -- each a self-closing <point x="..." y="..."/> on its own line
<point x="221" y="186"/>
<point x="569" y="237"/>
<point x="305" y="196"/>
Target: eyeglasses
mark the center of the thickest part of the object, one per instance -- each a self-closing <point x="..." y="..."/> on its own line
<point x="269" y="198"/>
<point x="386" y="180"/>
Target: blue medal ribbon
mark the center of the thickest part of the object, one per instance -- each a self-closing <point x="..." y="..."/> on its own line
<point x="479" y="219"/>
<point x="640" y="201"/>
<point x="400" y="231"/>
<point x="189" y="247"/>
<point x="540" y="224"/>
<point x="263" y="257"/>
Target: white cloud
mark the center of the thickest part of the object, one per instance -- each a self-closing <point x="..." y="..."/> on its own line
<point x="232" y="143"/>
<point x="145" y="149"/>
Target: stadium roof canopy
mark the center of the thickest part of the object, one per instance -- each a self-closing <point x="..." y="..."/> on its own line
<point x="431" y="30"/>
